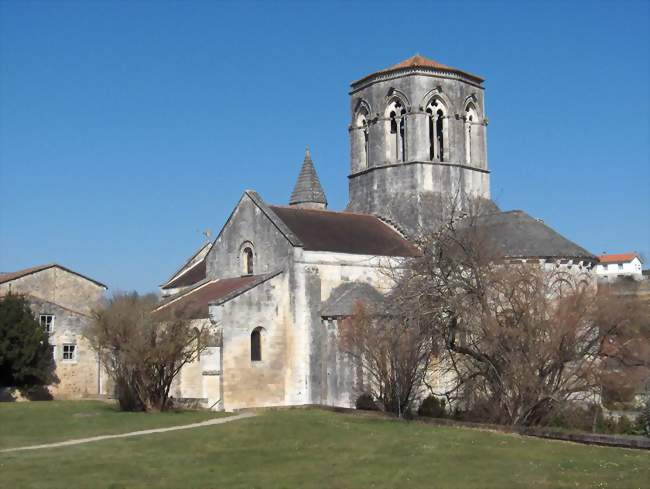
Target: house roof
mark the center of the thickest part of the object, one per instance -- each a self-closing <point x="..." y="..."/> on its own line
<point x="618" y="258"/>
<point x="308" y="188"/>
<point x="346" y="296"/>
<point x="518" y="235"/>
<point x="417" y="61"/>
<point x="9" y="276"/>
<point x="343" y="232"/>
<point x="192" y="271"/>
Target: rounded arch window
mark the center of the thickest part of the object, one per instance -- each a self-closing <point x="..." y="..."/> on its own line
<point x="361" y="123"/>
<point x="256" y="345"/>
<point x="247" y="259"/>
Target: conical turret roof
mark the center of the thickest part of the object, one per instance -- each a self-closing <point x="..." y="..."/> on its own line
<point x="308" y="188"/>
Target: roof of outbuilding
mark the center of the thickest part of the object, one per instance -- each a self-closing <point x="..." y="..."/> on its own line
<point x="9" y="276"/>
<point x="418" y="61"/>
<point x="346" y="296"/>
<point x="308" y="188"/>
<point x="618" y="258"/>
<point x="518" y="235"/>
<point x="343" y="232"/>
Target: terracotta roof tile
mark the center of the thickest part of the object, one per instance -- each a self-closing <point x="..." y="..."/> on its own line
<point x="418" y="61"/>
<point x="618" y="258"/>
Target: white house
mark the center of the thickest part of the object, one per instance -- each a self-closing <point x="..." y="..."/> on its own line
<point x="612" y="267"/>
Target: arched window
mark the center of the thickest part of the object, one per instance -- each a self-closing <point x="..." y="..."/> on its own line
<point x="256" y="345"/>
<point x="471" y="118"/>
<point x="437" y="130"/>
<point x="396" y="131"/>
<point x="247" y="259"/>
<point x="361" y="128"/>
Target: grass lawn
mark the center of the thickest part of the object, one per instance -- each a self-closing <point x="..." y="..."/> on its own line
<point x="318" y="449"/>
<point x="33" y="423"/>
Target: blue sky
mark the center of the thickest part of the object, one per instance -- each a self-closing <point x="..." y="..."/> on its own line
<point x="127" y="128"/>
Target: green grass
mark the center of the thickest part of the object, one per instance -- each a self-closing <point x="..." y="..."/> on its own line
<point x="310" y="449"/>
<point x="34" y="423"/>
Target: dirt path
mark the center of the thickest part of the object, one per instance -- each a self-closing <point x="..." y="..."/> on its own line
<point x="91" y="439"/>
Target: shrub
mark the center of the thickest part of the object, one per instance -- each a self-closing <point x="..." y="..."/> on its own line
<point x="643" y="421"/>
<point x="432" y="407"/>
<point x="625" y="426"/>
<point x="26" y="359"/>
<point x="366" y="403"/>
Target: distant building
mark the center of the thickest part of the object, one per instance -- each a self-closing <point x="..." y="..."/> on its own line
<point x="615" y="266"/>
<point x="62" y="301"/>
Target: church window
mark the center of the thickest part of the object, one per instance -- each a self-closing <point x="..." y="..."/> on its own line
<point x="471" y="119"/>
<point x="248" y="258"/>
<point x="396" y="131"/>
<point x="437" y="130"/>
<point x="362" y="137"/>
<point x="256" y="345"/>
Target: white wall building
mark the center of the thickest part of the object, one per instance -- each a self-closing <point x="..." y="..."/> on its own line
<point x="615" y="266"/>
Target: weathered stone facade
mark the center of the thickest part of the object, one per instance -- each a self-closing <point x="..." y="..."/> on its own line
<point x="279" y="279"/>
<point x="68" y="299"/>
<point x="417" y="140"/>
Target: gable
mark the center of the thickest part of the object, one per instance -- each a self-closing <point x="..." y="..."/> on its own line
<point x="251" y="224"/>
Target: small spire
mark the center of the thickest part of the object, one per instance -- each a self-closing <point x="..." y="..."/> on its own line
<point x="308" y="191"/>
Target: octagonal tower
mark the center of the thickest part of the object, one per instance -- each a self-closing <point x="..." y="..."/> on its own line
<point x="418" y="143"/>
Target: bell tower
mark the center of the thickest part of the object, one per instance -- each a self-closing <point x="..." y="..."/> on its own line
<point x="417" y="143"/>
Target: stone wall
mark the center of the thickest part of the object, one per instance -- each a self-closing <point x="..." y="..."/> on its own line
<point x="412" y="191"/>
<point x="247" y="227"/>
<point x="80" y="376"/>
<point x="248" y="383"/>
<point x="71" y="300"/>
<point x="58" y="286"/>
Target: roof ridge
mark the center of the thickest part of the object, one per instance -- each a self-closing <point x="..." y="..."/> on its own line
<point x="9" y="276"/>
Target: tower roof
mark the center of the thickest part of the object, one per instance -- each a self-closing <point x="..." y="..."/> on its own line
<point x="418" y="61"/>
<point x="308" y="188"/>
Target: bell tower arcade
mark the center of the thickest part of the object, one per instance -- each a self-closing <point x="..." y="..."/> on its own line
<point x="418" y="143"/>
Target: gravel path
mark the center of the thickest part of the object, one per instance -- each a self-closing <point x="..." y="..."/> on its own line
<point x="79" y="441"/>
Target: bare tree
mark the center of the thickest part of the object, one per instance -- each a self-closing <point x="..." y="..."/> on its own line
<point x="392" y="349"/>
<point x="517" y="339"/>
<point x="143" y="352"/>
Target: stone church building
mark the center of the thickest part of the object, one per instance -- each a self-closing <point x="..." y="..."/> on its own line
<point x="278" y="278"/>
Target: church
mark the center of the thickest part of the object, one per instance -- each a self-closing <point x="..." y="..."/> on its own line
<point x="278" y="278"/>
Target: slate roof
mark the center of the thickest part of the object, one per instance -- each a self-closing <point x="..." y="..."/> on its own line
<point x="518" y="235"/>
<point x="343" y="232"/>
<point x="618" y="258"/>
<point x="9" y="276"/>
<point x="308" y="188"/>
<point x="417" y="61"/>
<point x="346" y="296"/>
